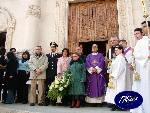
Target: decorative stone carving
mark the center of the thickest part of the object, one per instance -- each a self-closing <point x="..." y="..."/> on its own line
<point x="34" y="11"/>
<point x="3" y="23"/>
<point x="11" y="22"/>
<point x="126" y="20"/>
<point x="92" y="21"/>
<point x="130" y="25"/>
<point x="122" y="19"/>
<point x="61" y="24"/>
<point x="32" y="24"/>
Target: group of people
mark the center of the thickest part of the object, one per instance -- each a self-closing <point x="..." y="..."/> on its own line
<point x="95" y="79"/>
<point x="14" y="75"/>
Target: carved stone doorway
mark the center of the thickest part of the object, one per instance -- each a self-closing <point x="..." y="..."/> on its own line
<point x="92" y="21"/>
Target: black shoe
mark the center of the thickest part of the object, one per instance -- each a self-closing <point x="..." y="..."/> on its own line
<point x="113" y="109"/>
<point x="119" y="109"/>
<point x="40" y="104"/>
<point x="24" y="102"/>
<point x="46" y="104"/>
<point x="32" y="104"/>
<point x="59" y="104"/>
<point x="8" y="103"/>
<point x="110" y="105"/>
<point x="3" y="101"/>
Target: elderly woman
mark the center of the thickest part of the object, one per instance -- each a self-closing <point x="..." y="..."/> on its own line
<point x="78" y="77"/>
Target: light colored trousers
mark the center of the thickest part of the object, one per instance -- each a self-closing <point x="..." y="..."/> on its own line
<point x="41" y="90"/>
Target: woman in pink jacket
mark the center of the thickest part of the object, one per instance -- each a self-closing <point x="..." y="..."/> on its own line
<point x="62" y="66"/>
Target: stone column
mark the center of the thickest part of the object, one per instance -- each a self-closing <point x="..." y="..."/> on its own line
<point x="130" y="23"/>
<point x="32" y="22"/>
<point x="9" y="26"/>
<point x="61" y="23"/>
<point x="122" y="19"/>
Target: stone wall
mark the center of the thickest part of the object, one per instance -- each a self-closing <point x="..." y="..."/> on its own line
<point x="48" y="21"/>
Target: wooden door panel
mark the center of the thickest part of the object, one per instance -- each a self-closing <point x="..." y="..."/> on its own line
<point x="112" y="18"/>
<point x="92" y="21"/>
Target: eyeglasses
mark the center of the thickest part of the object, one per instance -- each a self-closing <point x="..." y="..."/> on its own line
<point x="74" y="56"/>
<point x="113" y="40"/>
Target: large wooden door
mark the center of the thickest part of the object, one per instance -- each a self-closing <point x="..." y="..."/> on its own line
<point x="92" y="21"/>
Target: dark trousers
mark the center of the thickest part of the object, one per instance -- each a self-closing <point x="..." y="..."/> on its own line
<point x="4" y="94"/>
<point x="10" y="96"/>
<point x="0" y="86"/>
<point x="10" y="91"/>
<point x="22" y="87"/>
<point x="47" y="83"/>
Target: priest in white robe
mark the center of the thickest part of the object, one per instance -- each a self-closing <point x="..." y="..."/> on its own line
<point x="117" y="81"/>
<point x="128" y="53"/>
<point x="142" y="62"/>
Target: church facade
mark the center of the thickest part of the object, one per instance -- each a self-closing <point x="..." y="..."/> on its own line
<point x="28" y="23"/>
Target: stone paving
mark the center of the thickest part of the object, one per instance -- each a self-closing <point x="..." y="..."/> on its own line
<point x="25" y="108"/>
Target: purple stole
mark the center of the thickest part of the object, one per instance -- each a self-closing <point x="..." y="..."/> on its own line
<point x="125" y="51"/>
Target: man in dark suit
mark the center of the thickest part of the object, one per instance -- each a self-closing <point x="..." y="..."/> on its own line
<point x="51" y="71"/>
<point x="114" y="41"/>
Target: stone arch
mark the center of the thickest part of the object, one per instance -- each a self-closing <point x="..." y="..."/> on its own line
<point x="10" y="26"/>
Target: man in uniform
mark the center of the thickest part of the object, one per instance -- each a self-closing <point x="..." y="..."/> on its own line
<point x="51" y="71"/>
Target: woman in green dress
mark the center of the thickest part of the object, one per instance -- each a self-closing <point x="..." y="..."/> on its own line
<point x="78" y="77"/>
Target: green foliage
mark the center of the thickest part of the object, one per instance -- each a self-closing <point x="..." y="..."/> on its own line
<point x="59" y="87"/>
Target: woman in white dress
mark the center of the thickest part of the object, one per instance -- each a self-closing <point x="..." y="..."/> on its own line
<point x="117" y="77"/>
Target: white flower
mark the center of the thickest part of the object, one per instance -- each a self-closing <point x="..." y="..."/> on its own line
<point x="56" y="86"/>
<point x="65" y="86"/>
<point x="50" y="87"/>
<point x="68" y="82"/>
<point x="61" y="81"/>
<point x="56" y="81"/>
<point x="61" y="88"/>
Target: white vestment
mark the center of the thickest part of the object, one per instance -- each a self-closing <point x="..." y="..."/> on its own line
<point x="118" y="71"/>
<point x="141" y="53"/>
<point x="129" y="76"/>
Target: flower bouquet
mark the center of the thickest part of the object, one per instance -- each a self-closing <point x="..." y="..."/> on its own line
<point x="59" y="87"/>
